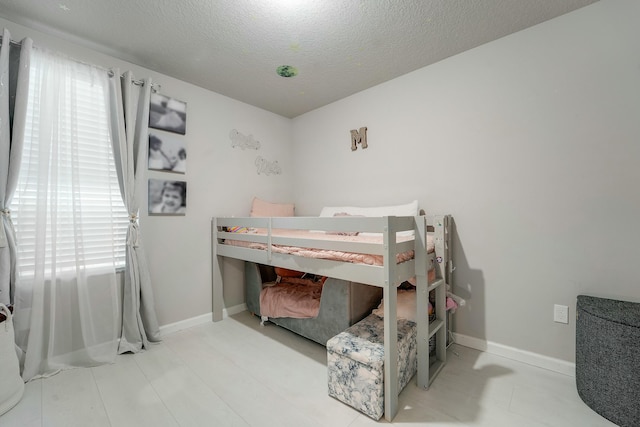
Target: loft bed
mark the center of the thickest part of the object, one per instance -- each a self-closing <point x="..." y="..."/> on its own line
<point x="396" y="249"/>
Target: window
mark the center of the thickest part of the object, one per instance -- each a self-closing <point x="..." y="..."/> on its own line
<point x="67" y="208"/>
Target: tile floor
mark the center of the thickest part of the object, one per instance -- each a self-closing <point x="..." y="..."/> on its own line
<point x="237" y="373"/>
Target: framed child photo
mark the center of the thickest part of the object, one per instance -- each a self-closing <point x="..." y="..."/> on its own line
<point x="167" y="114"/>
<point x="167" y="153"/>
<point x="167" y="197"/>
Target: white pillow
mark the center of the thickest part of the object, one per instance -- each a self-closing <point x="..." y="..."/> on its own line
<point x="409" y="209"/>
<point x="343" y="233"/>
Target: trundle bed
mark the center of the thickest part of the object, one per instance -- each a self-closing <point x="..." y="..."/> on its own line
<point x="315" y="308"/>
<point x="387" y="251"/>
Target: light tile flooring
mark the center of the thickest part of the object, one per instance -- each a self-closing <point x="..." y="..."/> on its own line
<point x="237" y="373"/>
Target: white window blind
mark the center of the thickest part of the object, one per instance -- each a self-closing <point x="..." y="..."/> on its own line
<point x="67" y="209"/>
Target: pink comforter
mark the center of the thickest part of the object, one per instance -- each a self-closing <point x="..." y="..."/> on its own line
<point x="297" y="298"/>
<point x="357" y="258"/>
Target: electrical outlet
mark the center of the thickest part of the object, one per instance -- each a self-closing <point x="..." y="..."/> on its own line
<point x="561" y="313"/>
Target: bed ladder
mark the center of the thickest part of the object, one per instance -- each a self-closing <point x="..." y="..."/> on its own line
<point x="427" y="371"/>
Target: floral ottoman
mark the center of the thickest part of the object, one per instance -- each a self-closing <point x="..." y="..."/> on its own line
<point x="355" y="362"/>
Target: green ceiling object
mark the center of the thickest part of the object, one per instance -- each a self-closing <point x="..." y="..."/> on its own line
<point x="287" y="71"/>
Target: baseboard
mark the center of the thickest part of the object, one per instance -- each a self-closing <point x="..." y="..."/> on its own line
<point x="185" y="324"/>
<point x="234" y="310"/>
<point x="199" y="320"/>
<point x="535" y="359"/>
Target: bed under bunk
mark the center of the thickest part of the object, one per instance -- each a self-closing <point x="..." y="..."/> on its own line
<point x="376" y="251"/>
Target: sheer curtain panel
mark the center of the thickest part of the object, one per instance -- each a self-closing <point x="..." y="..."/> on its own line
<point x="70" y="221"/>
<point x="14" y="81"/>
<point x="129" y="103"/>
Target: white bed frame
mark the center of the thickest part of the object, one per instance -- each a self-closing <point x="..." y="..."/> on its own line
<point x="387" y="276"/>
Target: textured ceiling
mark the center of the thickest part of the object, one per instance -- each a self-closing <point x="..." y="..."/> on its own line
<point x="234" y="47"/>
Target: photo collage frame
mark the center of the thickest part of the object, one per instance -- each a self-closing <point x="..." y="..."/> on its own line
<point x="167" y="153"/>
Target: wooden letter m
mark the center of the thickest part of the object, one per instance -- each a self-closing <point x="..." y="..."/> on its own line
<point x="358" y="137"/>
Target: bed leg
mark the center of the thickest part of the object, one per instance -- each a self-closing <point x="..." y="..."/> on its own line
<point x="217" y="303"/>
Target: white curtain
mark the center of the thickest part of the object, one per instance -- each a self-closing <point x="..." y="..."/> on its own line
<point x="14" y="80"/>
<point x="129" y="103"/>
<point x="67" y="311"/>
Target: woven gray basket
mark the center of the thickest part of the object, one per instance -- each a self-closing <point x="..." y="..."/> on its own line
<point x="608" y="358"/>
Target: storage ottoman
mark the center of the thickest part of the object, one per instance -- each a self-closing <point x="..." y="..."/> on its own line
<point x="608" y="358"/>
<point x="355" y="363"/>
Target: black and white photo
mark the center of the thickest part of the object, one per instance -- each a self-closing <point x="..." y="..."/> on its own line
<point x="167" y="153"/>
<point x="167" y="197"/>
<point x="167" y="114"/>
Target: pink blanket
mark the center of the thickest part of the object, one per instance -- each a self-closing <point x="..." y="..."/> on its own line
<point x="297" y="298"/>
<point x="369" y="259"/>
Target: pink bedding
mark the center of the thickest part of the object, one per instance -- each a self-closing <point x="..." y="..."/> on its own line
<point x="300" y="298"/>
<point x="357" y="258"/>
<point x="297" y="298"/>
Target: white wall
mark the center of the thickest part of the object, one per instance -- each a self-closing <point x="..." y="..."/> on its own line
<point x="221" y="181"/>
<point x="531" y="142"/>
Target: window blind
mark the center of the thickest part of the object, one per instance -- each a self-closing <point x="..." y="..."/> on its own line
<point x="74" y="182"/>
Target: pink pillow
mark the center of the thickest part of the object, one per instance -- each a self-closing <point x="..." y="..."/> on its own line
<point x="406" y="306"/>
<point x="261" y="208"/>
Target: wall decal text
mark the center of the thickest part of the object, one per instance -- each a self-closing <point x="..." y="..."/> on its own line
<point x="264" y="166"/>
<point x="243" y="141"/>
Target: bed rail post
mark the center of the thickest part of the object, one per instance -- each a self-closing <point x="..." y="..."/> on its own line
<point x="440" y="234"/>
<point x="216" y="274"/>
<point x="390" y="296"/>
<point x="269" y="241"/>
<point x="442" y="240"/>
<point x="422" y="297"/>
<point x="448" y="224"/>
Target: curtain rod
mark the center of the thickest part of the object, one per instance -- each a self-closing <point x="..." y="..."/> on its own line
<point x="13" y="42"/>
<point x="154" y="87"/>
